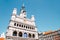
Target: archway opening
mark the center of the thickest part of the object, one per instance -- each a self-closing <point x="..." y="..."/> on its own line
<point x="33" y="35"/>
<point x="20" y="34"/>
<point x="29" y="35"/>
<point x="15" y="33"/>
<point x="25" y="35"/>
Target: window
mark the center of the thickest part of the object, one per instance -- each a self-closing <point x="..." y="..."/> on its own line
<point x="29" y="35"/>
<point x="24" y="17"/>
<point x="14" y="33"/>
<point x="17" y="24"/>
<point x="26" y="26"/>
<point x="30" y="27"/>
<point x="22" y="25"/>
<point x="25" y="35"/>
<point x="14" y="24"/>
<point x="20" y="34"/>
<point x="33" y="36"/>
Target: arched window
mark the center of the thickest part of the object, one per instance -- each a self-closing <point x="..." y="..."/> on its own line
<point x="15" y="33"/>
<point x="14" y="24"/>
<point x="25" y="35"/>
<point x="29" y="35"/>
<point x="20" y="25"/>
<point x="24" y="26"/>
<point x="17" y="24"/>
<point x="28" y="27"/>
<point x="32" y="28"/>
<point x="20" y="34"/>
<point x="33" y="35"/>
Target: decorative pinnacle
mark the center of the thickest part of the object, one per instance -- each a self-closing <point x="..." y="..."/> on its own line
<point x="23" y="4"/>
<point x="23" y="7"/>
<point x="15" y="11"/>
<point x="32" y="18"/>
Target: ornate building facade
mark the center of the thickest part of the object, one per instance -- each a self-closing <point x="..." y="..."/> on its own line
<point x="20" y="27"/>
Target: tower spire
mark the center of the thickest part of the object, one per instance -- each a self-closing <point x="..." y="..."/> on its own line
<point x="23" y="5"/>
<point x="23" y="12"/>
<point x="23" y="8"/>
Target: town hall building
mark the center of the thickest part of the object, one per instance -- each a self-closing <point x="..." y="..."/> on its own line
<point x="20" y="27"/>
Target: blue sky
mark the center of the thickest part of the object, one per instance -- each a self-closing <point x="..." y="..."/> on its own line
<point x="46" y="12"/>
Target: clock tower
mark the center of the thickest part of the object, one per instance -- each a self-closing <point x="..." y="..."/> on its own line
<point x="20" y="27"/>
